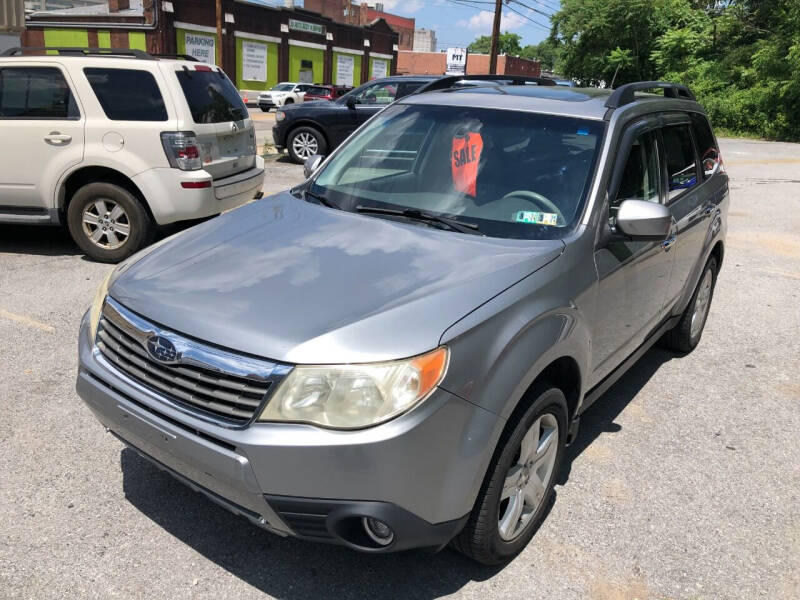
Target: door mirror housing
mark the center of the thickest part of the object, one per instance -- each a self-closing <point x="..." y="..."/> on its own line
<point x="311" y="164"/>
<point x="351" y="102"/>
<point x="642" y="220"/>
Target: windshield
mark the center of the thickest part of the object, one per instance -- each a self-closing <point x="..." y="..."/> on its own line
<point x="282" y="87"/>
<point x="513" y="174"/>
<point x="211" y="97"/>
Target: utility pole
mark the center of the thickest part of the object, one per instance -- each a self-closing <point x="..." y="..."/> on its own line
<point x="498" y="7"/>
<point x="219" y="31"/>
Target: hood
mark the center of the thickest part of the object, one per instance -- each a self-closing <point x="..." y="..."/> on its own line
<point x="296" y="282"/>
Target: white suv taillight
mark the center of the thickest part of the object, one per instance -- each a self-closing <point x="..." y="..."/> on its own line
<point x="182" y="150"/>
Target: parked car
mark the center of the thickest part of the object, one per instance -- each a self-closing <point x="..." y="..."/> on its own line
<point x="317" y="128"/>
<point x="282" y="94"/>
<point x="326" y="92"/>
<point x="112" y="143"/>
<point x="395" y="353"/>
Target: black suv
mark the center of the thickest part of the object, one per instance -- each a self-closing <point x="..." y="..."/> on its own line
<point x="318" y="127"/>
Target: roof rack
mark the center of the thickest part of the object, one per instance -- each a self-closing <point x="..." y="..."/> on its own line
<point x="450" y="81"/>
<point x="180" y="56"/>
<point x="68" y="51"/>
<point x="625" y="94"/>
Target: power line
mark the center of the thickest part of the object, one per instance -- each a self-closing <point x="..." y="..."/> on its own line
<point x="512" y="9"/>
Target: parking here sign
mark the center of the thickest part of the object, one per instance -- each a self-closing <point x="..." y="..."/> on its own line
<point x="200" y="47"/>
<point x="456" y="61"/>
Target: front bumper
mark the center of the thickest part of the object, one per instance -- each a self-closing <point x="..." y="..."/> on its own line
<point x="419" y="473"/>
<point x="169" y="202"/>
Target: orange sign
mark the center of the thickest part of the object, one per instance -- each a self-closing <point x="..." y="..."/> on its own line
<point x="465" y="157"/>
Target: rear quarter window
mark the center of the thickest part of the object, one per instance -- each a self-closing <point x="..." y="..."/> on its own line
<point x="127" y="94"/>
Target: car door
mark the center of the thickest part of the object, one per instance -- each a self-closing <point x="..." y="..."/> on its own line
<point x="633" y="275"/>
<point x="689" y="198"/>
<point x="42" y="132"/>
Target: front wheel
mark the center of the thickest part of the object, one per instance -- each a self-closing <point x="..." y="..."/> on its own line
<point x="108" y="222"/>
<point x="304" y="142"/>
<point x="519" y="483"/>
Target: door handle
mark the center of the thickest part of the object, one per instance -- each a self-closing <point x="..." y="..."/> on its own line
<point x="709" y="209"/>
<point x="667" y="243"/>
<point x="58" y="138"/>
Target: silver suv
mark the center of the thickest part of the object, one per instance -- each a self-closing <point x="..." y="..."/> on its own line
<point x="395" y="353"/>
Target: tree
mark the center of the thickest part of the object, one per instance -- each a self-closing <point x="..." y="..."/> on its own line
<point x="507" y="43"/>
<point x="547" y="52"/>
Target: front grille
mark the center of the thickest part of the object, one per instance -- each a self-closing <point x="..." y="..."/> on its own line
<point x="198" y="378"/>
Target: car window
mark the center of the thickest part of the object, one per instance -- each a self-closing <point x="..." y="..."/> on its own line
<point x="641" y="175"/>
<point x="514" y="174"/>
<point x="706" y="145"/>
<point x="282" y="87"/>
<point x="211" y="97"/>
<point x="379" y="93"/>
<point x="407" y="87"/>
<point x="127" y="94"/>
<point x="317" y="91"/>
<point x="681" y="165"/>
<point x="35" y="93"/>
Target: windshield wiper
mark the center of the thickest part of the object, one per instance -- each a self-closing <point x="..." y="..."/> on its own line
<point x="320" y="198"/>
<point x="418" y="215"/>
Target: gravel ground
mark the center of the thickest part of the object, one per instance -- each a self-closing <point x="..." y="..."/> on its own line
<point x="683" y="483"/>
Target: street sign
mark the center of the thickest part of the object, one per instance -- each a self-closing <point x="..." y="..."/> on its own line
<point x="456" y="61"/>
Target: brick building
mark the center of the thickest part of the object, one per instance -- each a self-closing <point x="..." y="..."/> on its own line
<point x="261" y="45"/>
<point x="433" y="63"/>
<point x="363" y="14"/>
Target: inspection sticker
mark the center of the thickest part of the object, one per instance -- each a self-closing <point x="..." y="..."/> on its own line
<point x="536" y="218"/>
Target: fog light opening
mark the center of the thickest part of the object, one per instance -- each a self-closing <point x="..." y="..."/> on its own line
<point x="378" y="531"/>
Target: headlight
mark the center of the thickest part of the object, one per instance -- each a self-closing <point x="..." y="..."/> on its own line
<point x="97" y="305"/>
<point x="356" y="396"/>
<point x="280" y="115"/>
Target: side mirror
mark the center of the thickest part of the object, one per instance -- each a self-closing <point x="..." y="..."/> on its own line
<point x="644" y="220"/>
<point x="311" y="164"/>
<point x="351" y="102"/>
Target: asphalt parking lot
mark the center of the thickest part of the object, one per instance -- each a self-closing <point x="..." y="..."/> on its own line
<point x="683" y="483"/>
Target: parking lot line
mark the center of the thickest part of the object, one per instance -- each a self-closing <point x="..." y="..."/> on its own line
<point x="26" y="321"/>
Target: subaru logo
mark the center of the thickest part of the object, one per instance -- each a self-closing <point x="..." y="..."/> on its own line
<point x="161" y="349"/>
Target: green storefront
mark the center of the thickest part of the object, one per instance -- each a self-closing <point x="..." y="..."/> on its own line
<point x="198" y="41"/>
<point x="256" y="61"/>
<point x="346" y="67"/>
<point x="306" y="62"/>
<point x="79" y="38"/>
<point x="380" y="65"/>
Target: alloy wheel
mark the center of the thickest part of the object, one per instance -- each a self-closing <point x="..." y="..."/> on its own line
<point x="305" y="144"/>
<point x="701" y="304"/>
<point x="106" y="224"/>
<point x="528" y="478"/>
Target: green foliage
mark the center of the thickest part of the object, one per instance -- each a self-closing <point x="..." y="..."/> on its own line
<point x="740" y="57"/>
<point x="507" y="43"/>
<point x="547" y="52"/>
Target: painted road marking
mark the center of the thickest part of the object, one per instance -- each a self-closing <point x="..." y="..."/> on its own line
<point x="27" y="321"/>
<point x="763" y="161"/>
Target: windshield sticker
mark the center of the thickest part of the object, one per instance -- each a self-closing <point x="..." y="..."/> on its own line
<point x="466" y="155"/>
<point x="536" y="218"/>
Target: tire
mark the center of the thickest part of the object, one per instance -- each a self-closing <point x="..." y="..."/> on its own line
<point x="101" y="204"/>
<point x="685" y="336"/>
<point x="304" y="142"/>
<point x="263" y="109"/>
<point x="288" y="101"/>
<point x="481" y="539"/>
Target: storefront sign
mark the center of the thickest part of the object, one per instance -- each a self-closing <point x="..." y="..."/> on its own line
<point x="380" y="68"/>
<point x="456" y="61"/>
<point x="200" y="46"/>
<point x="254" y="61"/>
<point x="305" y="26"/>
<point x="344" y="69"/>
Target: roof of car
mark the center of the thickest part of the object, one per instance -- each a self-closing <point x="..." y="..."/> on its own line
<point x="589" y="103"/>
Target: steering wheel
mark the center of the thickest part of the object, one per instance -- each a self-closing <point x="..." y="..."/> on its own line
<point x="539" y="200"/>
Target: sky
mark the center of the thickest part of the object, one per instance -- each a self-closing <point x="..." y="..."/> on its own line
<point x="459" y="22"/>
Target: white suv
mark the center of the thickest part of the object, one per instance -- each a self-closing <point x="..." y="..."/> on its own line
<point x="114" y="142"/>
<point x="282" y="94"/>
